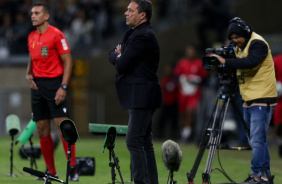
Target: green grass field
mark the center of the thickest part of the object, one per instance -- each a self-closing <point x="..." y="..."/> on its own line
<point x="235" y="163"/>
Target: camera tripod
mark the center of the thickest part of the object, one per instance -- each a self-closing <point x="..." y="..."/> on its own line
<point x="212" y="135"/>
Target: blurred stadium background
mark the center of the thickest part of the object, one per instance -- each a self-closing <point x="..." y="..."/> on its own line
<point x="94" y="27"/>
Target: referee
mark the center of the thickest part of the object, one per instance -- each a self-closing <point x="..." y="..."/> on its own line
<point x="48" y="72"/>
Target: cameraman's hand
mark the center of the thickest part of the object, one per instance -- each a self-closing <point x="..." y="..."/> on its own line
<point x="220" y="59"/>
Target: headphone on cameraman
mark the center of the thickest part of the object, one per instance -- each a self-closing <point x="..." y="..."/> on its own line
<point x="242" y="24"/>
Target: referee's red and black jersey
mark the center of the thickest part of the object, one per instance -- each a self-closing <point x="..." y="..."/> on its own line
<point x="45" y="50"/>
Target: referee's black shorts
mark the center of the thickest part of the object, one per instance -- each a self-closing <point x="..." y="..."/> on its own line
<point x="43" y="100"/>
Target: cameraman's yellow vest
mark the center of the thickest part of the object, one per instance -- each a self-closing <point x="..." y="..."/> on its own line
<point x="258" y="82"/>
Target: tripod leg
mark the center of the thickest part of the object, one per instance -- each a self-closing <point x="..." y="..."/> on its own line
<point x="120" y="176"/>
<point x="113" y="173"/>
<point x="47" y="180"/>
<point x="117" y="165"/>
<point x="215" y="138"/>
<point x="203" y="144"/>
<point x="201" y="152"/>
<point x="112" y="165"/>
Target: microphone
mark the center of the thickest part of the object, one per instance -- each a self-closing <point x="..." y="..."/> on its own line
<point x="27" y="132"/>
<point x="110" y="137"/>
<point x="172" y="155"/>
<point x="13" y="124"/>
<point x="69" y="131"/>
<point x="41" y="174"/>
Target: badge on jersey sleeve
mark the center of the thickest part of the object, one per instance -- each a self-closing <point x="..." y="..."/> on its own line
<point x="44" y="51"/>
<point x="64" y="44"/>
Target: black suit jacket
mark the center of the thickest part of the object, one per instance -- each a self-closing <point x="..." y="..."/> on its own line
<point x="137" y="82"/>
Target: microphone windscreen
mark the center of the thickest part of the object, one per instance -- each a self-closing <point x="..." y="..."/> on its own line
<point x="34" y="172"/>
<point x="69" y="131"/>
<point x="13" y="124"/>
<point x="172" y="155"/>
<point x="27" y="132"/>
<point x="110" y="137"/>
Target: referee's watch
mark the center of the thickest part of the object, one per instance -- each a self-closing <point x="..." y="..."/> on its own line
<point x="64" y="86"/>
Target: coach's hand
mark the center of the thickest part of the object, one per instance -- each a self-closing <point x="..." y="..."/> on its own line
<point x="60" y="96"/>
<point x="118" y="48"/>
<point x="29" y="78"/>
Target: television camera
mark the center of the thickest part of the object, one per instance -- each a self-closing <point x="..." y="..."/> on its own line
<point x="226" y="75"/>
<point x="211" y="62"/>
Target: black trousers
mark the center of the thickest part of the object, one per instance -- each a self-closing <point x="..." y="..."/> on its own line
<point x="140" y="145"/>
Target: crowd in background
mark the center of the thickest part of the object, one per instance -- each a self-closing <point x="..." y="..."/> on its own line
<point x="83" y="22"/>
<point x="88" y="22"/>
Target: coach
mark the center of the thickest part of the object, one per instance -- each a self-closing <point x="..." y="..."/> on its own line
<point x="136" y="61"/>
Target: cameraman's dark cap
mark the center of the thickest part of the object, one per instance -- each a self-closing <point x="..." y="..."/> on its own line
<point x="234" y="28"/>
<point x="239" y="27"/>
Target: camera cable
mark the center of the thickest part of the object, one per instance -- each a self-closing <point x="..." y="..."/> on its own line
<point x="222" y="170"/>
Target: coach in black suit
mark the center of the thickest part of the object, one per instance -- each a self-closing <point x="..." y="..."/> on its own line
<point x="136" y="61"/>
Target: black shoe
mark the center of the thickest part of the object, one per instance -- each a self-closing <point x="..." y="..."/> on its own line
<point x="73" y="175"/>
<point x="264" y="180"/>
<point x="251" y="179"/>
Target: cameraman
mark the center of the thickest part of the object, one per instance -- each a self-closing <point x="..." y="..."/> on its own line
<point x="256" y="79"/>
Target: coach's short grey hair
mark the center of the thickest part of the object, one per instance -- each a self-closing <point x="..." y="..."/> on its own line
<point x="144" y="6"/>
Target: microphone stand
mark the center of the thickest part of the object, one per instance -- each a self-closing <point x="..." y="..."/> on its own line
<point x="11" y="157"/>
<point x="171" y="177"/>
<point x="32" y="156"/>
<point x="68" y="163"/>
<point x="114" y="164"/>
<point x="47" y="180"/>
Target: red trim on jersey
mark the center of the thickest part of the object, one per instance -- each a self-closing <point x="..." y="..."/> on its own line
<point x="45" y="50"/>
